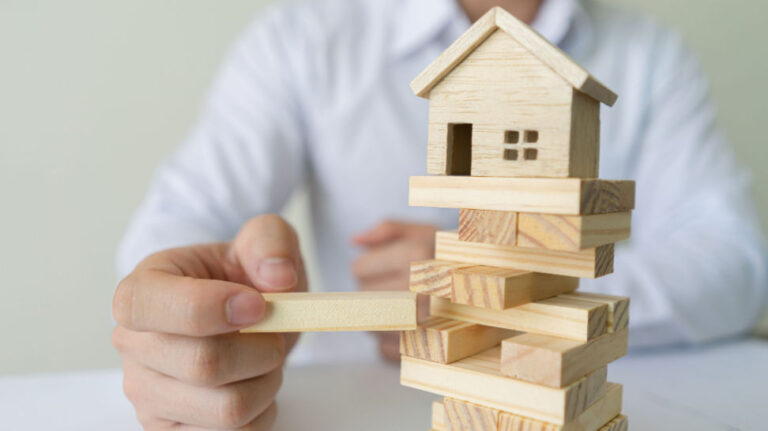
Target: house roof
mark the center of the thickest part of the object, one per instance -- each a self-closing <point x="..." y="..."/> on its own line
<point x="549" y="54"/>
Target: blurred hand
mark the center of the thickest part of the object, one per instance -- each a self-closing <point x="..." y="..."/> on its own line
<point x="390" y="247"/>
<point x="185" y="366"/>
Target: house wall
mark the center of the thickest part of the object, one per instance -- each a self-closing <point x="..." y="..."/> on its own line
<point x="501" y="86"/>
<point x="585" y="136"/>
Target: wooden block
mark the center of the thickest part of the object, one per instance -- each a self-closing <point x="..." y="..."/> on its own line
<point x="558" y="362"/>
<point x="594" y="418"/>
<point x="433" y="277"/>
<point x="338" y="311"/>
<point x="618" y="307"/>
<point x="568" y="196"/>
<point x="619" y="423"/>
<point x="477" y="379"/>
<point x="571" y="233"/>
<point x="444" y="340"/>
<point x="439" y="417"/>
<point x="589" y="263"/>
<point x="501" y="288"/>
<point x="560" y="317"/>
<point x="464" y="416"/>
<point x="491" y="227"/>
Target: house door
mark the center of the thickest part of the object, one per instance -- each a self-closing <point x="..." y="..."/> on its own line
<point x="459" y="149"/>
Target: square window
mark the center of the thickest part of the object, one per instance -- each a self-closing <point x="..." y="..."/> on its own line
<point x="510" y="154"/>
<point x="511" y="137"/>
<point x="530" y="154"/>
<point x="531" y="136"/>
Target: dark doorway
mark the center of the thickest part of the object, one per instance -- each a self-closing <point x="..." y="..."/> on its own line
<point x="459" y="149"/>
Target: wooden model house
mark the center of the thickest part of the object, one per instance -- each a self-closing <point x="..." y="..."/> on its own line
<point x="504" y="102"/>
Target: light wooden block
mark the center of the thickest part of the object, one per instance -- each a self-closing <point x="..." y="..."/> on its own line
<point x="560" y="317"/>
<point x="571" y="233"/>
<point x="439" y="417"/>
<point x="501" y="288"/>
<point x="589" y="263"/>
<point x="558" y="362"/>
<point x="491" y="227"/>
<point x="620" y="423"/>
<point x="444" y="340"/>
<point x="477" y="379"/>
<point x="567" y="196"/>
<point x="595" y="417"/>
<point x="433" y="277"/>
<point x="464" y="416"/>
<point x="618" y="307"/>
<point x="337" y="311"/>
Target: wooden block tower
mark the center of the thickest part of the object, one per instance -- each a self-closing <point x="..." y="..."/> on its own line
<point x="514" y="133"/>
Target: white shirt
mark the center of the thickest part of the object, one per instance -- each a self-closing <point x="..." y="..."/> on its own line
<point x="317" y="92"/>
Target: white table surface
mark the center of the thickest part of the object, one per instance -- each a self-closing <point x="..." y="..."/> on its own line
<point x="718" y="387"/>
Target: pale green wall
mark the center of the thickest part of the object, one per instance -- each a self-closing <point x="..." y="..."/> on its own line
<point x="94" y="94"/>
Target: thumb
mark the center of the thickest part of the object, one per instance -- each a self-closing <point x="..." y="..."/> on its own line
<point x="267" y="249"/>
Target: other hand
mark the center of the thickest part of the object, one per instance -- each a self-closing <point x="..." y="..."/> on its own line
<point x="389" y="248"/>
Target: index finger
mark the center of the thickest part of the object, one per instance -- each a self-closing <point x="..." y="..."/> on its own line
<point x="154" y="300"/>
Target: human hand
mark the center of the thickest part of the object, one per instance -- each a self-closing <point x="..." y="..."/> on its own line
<point x="390" y="247"/>
<point x="185" y="366"/>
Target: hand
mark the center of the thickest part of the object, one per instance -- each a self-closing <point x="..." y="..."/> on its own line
<point x="185" y="366"/>
<point x="385" y="264"/>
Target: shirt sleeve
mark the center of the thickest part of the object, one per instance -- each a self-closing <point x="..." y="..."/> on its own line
<point x="695" y="268"/>
<point x="245" y="156"/>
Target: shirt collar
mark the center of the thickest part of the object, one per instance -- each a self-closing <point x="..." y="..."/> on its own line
<point x="424" y="20"/>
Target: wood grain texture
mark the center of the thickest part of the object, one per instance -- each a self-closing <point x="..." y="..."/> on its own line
<point x="491" y="227"/>
<point x="465" y="416"/>
<point x="571" y="233"/>
<point x="554" y="57"/>
<point x="588" y="263"/>
<point x="567" y="196"/>
<point x="433" y="277"/>
<point x="558" y="362"/>
<point x="560" y="317"/>
<point x="477" y="379"/>
<point x="549" y="54"/>
<point x="337" y="311"/>
<point x="618" y="307"/>
<point x="596" y="417"/>
<point x="439" y="417"/>
<point x="501" y="288"/>
<point x="454" y="54"/>
<point x="619" y="423"/>
<point x="444" y="340"/>
<point x="585" y="135"/>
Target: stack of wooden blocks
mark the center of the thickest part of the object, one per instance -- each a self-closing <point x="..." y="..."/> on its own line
<point x="514" y="144"/>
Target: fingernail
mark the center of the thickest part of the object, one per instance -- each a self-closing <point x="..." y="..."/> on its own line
<point x="245" y="309"/>
<point x="277" y="274"/>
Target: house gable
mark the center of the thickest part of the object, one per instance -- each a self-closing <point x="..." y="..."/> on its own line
<point x="499" y="19"/>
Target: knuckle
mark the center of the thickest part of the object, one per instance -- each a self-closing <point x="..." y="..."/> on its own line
<point x="417" y="252"/>
<point x="234" y="409"/>
<point x="195" y="317"/>
<point x="205" y="368"/>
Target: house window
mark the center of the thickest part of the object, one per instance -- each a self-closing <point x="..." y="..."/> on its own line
<point x="511" y="137"/>
<point x="514" y="148"/>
